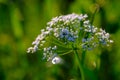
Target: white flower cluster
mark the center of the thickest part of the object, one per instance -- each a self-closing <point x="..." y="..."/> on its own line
<point x="70" y="28"/>
<point x="49" y="53"/>
<point x="66" y="34"/>
<point x="66" y="27"/>
<point x="94" y="36"/>
<point x="103" y="37"/>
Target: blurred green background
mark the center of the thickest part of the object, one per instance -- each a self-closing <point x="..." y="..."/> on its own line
<point x="20" y="23"/>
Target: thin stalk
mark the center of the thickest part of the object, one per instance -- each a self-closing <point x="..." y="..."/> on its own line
<point x="80" y="65"/>
<point x="93" y="15"/>
<point x="58" y="44"/>
<point x="83" y="56"/>
<point x="66" y="53"/>
<point x="57" y="40"/>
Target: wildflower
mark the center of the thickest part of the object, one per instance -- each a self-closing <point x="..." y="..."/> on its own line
<point x="69" y="30"/>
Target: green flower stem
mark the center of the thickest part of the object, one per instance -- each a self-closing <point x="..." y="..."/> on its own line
<point x="83" y="56"/>
<point x="93" y="15"/>
<point x="66" y="53"/>
<point x="57" y="41"/>
<point x="58" y="44"/>
<point x="79" y="64"/>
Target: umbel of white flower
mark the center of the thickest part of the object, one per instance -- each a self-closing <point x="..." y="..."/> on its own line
<point x="66" y="31"/>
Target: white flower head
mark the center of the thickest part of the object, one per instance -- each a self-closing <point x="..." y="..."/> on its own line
<point x="66" y="31"/>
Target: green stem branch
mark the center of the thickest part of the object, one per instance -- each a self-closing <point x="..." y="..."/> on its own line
<point x="93" y="15"/>
<point x="66" y="53"/>
<point x="80" y="65"/>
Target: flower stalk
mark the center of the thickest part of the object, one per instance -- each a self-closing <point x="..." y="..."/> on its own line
<point x="78" y="61"/>
<point x="79" y="65"/>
